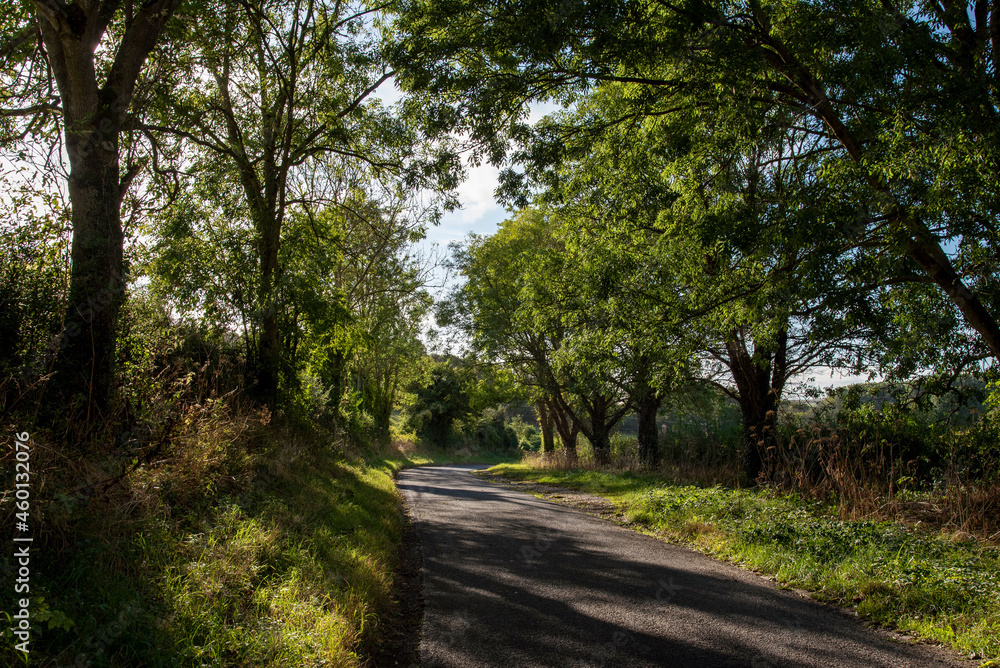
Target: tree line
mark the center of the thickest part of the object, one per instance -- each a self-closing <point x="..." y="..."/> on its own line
<point x="228" y="165"/>
<point x="734" y="192"/>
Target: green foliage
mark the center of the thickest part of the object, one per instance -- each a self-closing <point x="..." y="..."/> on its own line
<point x="33" y="275"/>
<point x="464" y="406"/>
<point x="530" y="307"/>
<point x="898" y="431"/>
<point x="440" y="399"/>
<point x="795" y="181"/>
<point x="352" y="296"/>
<point x="529" y="437"/>
<point x="624" y="448"/>
<point x="491" y="432"/>
<point x="883" y="138"/>
<point x="703" y="426"/>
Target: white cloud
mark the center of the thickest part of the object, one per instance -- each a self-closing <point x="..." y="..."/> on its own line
<point x="538" y="110"/>
<point x="476" y="193"/>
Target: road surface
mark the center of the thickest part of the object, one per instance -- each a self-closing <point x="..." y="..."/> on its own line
<point x="512" y="580"/>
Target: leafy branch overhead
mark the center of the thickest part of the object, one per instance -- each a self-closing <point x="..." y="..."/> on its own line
<point x="899" y="100"/>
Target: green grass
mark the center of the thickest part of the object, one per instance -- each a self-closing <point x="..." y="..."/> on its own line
<point x="227" y="554"/>
<point x="465" y="456"/>
<point x="922" y="583"/>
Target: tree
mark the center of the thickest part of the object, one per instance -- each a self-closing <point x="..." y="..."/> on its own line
<point x="351" y="289"/>
<point x="488" y="308"/>
<point x="94" y="52"/>
<point x="276" y="97"/>
<point x="441" y="399"/>
<point x="382" y="284"/>
<point x="901" y="98"/>
<point x="702" y="245"/>
<point x="529" y="302"/>
<point x="588" y="373"/>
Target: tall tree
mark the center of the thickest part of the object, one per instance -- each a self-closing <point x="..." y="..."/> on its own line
<point x="703" y="244"/>
<point x="383" y="283"/>
<point x="489" y="309"/>
<point x="94" y="52"/>
<point x="352" y="289"/>
<point x="279" y="93"/>
<point x="526" y="304"/>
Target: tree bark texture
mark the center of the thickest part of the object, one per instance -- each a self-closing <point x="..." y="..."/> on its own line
<point x="647" y="406"/>
<point x="545" y="424"/>
<point x="598" y="431"/>
<point x="269" y="353"/>
<point x="567" y="428"/>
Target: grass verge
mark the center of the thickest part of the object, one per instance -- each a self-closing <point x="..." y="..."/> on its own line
<point x="939" y="587"/>
<point x="271" y="550"/>
<point x="243" y="544"/>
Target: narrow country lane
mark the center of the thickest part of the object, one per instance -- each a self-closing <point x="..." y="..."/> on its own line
<point x="512" y="580"/>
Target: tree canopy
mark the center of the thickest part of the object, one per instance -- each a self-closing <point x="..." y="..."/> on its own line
<point x="897" y="98"/>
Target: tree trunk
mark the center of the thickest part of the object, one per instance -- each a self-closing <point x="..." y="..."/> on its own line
<point x="600" y="440"/>
<point x="647" y="406"/>
<point x="569" y="441"/>
<point x="262" y="178"/>
<point x="759" y="414"/>
<point x="568" y="431"/>
<point x="759" y="378"/>
<point x="600" y="426"/>
<point x="269" y="352"/>
<point x="86" y="365"/>
<point x="545" y="424"/>
<point x="334" y="376"/>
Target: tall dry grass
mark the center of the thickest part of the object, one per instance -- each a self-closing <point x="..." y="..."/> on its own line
<point x="834" y="465"/>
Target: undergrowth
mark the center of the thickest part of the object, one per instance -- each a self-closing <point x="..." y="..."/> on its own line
<point x="241" y="544"/>
<point x="939" y="585"/>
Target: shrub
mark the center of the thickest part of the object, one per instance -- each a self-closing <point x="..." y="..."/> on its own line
<point x="440" y="400"/>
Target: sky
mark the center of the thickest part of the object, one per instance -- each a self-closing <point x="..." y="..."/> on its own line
<point x="480" y="212"/>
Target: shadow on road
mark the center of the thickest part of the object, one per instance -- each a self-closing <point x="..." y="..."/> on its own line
<point x="511" y="580"/>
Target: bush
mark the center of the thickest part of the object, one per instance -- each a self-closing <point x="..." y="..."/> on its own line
<point x="490" y="431"/>
<point x="706" y="434"/>
<point x="625" y="450"/>
<point x="529" y="438"/>
<point x="877" y="452"/>
<point x="440" y="400"/>
<point x="33" y="277"/>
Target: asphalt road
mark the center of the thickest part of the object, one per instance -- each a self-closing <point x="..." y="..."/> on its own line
<point x="512" y="580"/>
